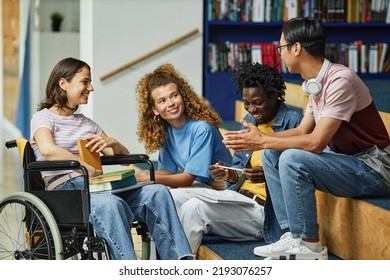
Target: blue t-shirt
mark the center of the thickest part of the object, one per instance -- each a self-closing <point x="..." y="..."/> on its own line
<point x="192" y="148"/>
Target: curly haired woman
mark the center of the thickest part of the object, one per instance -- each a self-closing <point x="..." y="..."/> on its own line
<point x="179" y="124"/>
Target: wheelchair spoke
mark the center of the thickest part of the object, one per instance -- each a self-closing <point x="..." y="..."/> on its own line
<point x="24" y="234"/>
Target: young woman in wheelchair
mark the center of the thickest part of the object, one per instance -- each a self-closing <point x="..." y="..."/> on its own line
<point x="55" y="129"/>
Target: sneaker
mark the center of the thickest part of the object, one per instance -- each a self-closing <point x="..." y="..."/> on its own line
<point x="299" y="251"/>
<point x="282" y="245"/>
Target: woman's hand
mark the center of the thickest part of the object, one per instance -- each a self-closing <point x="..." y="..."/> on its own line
<point x="97" y="143"/>
<point x="92" y="172"/>
<point x="142" y="175"/>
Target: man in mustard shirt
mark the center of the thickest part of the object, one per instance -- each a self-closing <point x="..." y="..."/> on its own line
<point x="262" y="89"/>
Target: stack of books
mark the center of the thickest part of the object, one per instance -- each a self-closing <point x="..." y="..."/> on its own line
<point x="108" y="182"/>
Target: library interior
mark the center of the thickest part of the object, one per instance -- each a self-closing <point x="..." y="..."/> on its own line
<point x="233" y="32"/>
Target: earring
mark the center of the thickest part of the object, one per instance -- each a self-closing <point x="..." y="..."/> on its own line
<point x="156" y="118"/>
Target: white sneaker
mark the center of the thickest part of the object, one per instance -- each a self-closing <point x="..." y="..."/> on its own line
<point x="282" y="245"/>
<point x="299" y="251"/>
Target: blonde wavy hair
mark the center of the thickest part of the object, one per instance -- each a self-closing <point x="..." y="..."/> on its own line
<point x="151" y="131"/>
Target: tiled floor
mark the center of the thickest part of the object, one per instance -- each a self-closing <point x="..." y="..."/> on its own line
<point x="11" y="179"/>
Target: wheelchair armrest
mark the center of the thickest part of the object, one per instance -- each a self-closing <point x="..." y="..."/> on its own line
<point x="50" y="165"/>
<point x="53" y="165"/>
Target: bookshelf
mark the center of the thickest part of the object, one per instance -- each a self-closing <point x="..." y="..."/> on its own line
<point x="217" y="85"/>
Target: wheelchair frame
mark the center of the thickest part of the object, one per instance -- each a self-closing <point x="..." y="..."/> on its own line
<point x="40" y="224"/>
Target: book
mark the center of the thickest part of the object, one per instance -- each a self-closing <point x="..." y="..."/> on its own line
<point x="258" y="11"/>
<point x="353" y="57"/>
<point x="373" y="58"/>
<point x="114" y="179"/>
<point x="89" y="157"/>
<point x="114" y="176"/>
<point x="127" y="184"/>
<point x="291" y="9"/>
<point x="382" y="56"/>
<point x="225" y="196"/>
<point x="256" y="53"/>
<point x="113" y="185"/>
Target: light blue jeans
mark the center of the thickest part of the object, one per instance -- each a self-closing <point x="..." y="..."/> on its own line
<point x="293" y="176"/>
<point x="112" y="217"/>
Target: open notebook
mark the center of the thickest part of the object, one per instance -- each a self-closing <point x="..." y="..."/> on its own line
<point x="225" y="196"/>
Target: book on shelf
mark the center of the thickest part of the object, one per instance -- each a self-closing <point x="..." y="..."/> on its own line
<point x="382" y="56"/>
<point x="256" y="53"/>
<point x="387" y="17"/>
<point x="212" y="57"/>
<point x="349" y="11"/>
<point x="113" y="176"/>
<point x="353" y="57"/>
<point x="373" y="58"/>
<point x="291" y="8"/>
<point x="363" y="58"/>
<point x="89" y="157"/>
<point x="258" y="11"/>
<point x="225" y="196"/>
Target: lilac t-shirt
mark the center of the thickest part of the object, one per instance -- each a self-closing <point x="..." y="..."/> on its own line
<point x="66" y="131"/>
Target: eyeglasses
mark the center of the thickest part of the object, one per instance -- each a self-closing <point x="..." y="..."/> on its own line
<point x="279" y="48"/>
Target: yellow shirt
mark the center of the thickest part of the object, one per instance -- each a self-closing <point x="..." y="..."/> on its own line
<point x="257" y="188"/>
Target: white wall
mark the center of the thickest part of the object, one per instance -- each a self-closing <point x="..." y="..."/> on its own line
<point x="1" y="68"/>
<point x="113" y="33"/>
<point x="69" y="8"/>
<point x="123" y="30"/>
<point x="47" y="47"/>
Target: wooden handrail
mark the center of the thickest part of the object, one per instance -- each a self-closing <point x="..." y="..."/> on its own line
<point x="147" y="55"/>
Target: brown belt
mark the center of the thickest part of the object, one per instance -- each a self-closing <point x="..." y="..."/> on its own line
<point x="256" y="198"/>
<point x="62" y="179"/>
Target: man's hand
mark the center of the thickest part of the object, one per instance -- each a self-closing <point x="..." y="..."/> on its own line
<point x="248" y="139"/>
<point x="218" y="174"/>
<point x="256" y="175"/>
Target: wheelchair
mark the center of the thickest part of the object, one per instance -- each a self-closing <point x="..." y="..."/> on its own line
<point x="53" y="225"/>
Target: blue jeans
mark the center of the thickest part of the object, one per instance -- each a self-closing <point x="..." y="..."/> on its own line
<point x="293" y="176"/>
<point x="112" y="217"/>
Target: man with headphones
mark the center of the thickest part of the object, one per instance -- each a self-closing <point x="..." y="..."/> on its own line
<point x="340" y="147"/>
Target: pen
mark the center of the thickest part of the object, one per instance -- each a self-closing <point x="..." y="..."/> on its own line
<point x="228" y="167"/>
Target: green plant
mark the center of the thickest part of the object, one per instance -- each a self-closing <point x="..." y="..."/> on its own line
<point x="56" y="17"/>
<point x="56" y="20"/>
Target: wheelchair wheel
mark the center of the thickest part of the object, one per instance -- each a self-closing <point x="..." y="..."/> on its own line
<point x="28" y="230"/>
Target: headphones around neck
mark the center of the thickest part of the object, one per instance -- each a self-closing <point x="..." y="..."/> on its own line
<point x="314" y="86"/>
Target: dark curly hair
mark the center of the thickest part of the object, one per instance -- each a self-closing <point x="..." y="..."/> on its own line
<point x="252" y="75"/>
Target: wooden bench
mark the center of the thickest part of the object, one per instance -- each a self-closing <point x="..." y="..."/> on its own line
<point x="351" y="228"/>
